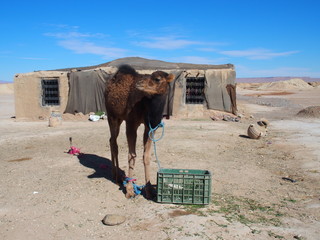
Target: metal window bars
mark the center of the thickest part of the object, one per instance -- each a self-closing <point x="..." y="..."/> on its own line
<point x="50" y="91"/>
<point x="195" y="90"/>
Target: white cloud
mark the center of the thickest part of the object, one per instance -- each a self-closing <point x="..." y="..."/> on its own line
<point x="61" y="26"/>
<point x="74" y="35"/>
<point x="78" y="43"/>
<point x="198" y="60"/>
<point x="86" y="47"/>
<point x="167" y="43"/>
<point x="175" y="42"/>
<point x="257" y="53"/>
<point x="208" y="49"/>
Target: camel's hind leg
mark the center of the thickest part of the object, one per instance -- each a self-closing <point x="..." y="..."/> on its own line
<point x="131" y="132"/>
<point x="114" y="126"/>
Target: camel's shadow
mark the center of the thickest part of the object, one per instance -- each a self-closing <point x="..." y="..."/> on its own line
<point x="101" y="165"/>
<point x="103" y="169"/>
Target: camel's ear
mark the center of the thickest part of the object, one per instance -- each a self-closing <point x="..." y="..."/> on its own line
<point x="170" y="78"/>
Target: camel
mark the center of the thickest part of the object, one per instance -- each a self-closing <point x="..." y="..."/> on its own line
<point x="135" y="98"/>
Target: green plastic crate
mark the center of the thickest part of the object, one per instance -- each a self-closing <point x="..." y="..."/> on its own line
<point x="184" y="186"/>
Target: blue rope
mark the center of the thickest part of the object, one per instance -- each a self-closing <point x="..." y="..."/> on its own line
<point x="136" y="188"/>
<point x="152" y="138"/>
<point x="153" y="130"/>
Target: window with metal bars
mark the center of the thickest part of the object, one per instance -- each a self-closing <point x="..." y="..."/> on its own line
<point x="195" y="90"/>
<point x="50" y="91"/>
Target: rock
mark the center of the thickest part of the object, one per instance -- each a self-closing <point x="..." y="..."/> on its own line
<point x="227" y="118"/>
<point x="214" y="118"/>
<point x="230" y="118"/>
<point x="263" y="122"/>
<point x="55" y="119"/>
<point x="113" y="219"/>
<point x="53" y="122"/>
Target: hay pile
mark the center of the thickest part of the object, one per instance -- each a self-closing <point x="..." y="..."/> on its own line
<point x="292" y="84"/>
<point x="310" y="112"/>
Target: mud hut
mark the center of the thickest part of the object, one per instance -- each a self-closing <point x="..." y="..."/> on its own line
<point x="195" y="89"/>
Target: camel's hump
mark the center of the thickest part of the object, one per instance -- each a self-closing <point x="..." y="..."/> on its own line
<point x="127" y="69"/>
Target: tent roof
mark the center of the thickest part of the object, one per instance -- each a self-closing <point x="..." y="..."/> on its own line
<point x="146" y="64"/>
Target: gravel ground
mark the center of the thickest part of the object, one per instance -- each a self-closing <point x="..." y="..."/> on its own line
<point x="261" y="189"/>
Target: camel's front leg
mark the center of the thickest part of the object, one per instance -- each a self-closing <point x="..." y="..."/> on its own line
<point x="131" y="132"/>
<point x="114" y="125"/>
<point x="150" y="191"/>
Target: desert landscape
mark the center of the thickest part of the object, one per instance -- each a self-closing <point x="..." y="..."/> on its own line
<point x="266" y="188"/>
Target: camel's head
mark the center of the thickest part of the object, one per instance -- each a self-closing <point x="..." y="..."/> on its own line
<point x="156" y="83"/>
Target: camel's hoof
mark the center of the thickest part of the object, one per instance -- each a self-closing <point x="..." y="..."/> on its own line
<point x="150" y="192"/>
<point x="130" y="195"/>
<point x="150" y="196"/>
<point x="129" y="191"/>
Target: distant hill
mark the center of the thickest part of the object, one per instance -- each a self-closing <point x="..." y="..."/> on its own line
<point x="274" y="79"/>
<point x="6" y="88"/>
<point x="144" y="63"/>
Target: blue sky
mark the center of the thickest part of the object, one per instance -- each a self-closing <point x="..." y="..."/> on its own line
<point x="261" y="38"/>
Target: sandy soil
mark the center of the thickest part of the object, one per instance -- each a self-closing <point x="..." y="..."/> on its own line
<point x="49" y="194"/>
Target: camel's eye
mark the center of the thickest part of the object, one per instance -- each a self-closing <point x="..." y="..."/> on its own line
<point x="157" y="79"/>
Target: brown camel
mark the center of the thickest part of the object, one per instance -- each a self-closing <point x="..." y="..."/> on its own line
<point x="135" y="98"/>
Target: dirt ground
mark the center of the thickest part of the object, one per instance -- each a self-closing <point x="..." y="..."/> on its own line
<point x="261" y="189"/>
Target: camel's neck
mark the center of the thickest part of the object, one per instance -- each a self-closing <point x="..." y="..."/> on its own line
<point x="155" y="106"/>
